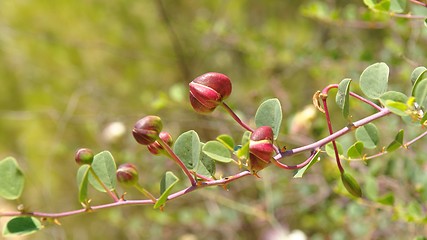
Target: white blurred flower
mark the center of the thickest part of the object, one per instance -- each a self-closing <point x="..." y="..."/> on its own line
<point x="113" y="132"/>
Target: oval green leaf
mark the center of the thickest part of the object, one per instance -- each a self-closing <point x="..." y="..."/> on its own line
<point x="227" y="141"/>
<point x="105" y="168"/>
<point x="420" y="92"/>
<point x="300" y="172"/>
<point x="269" y="113"/>
<point x="374" y="80"/>
<point x="166" y="184"/>
<point x="397" y="142"/>
<point x="187" y="148"/>
<point x="417" y="74"/>
<point x="396" y="102"/>
<point x="82" y="182"/>
<point x="217" y="151"/>
<point x="11" y="179"/>
<point x="368" y="134"/>
<point x="351" y="184"/>
<point x="343" y="96"/>
<point x="22" y="225"/>
<point x="355" y="150"/>
<point x="206" y="165"/>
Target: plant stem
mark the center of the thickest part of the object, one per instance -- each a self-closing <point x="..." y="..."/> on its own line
<point x="183" y="192"/>
<point x="145" y="192"/>
<point x="112" y="195"/>
<point x="298" y="166"/>
<point x="178" y="161"/>
<point x="328" y="120"/>
<point x="337" y="134"/>
<point x="235" y="117"/>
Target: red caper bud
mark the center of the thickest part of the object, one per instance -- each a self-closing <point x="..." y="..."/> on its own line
<point x="147" y="129"/>
<point x="84" y="156"/>
<point x="127" y="174"/>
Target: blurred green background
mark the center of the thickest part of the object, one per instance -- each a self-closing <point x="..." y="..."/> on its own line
<point x="78" y="73"/>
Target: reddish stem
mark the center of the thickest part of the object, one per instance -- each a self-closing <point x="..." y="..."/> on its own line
<point x="235" y="117"/>
<point x="328" y="120"/>
<point x="178" y="161"/>
<point x="298" y="166"/>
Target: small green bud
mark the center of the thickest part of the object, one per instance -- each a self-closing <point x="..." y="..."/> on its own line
<point x="351" y="185"/>
<point x="127" y="174"/>
<point x="84" y="156"/>
<point x="147" y="129"/>
<point x="208" y="91"/>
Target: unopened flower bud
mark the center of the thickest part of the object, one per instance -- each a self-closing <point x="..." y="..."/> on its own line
<point x="147" y="129"/>
<point x="260" y="148"/>
<point x="84" y="156"/>
<point x="127" y="174"/>
<point x="208" y="91"/>
<point x="156" y="148"/>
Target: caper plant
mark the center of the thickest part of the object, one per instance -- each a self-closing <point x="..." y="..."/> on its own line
<point x="256" y="150"/>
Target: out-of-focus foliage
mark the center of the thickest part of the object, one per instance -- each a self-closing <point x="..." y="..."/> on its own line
<point x="72" y="71"/>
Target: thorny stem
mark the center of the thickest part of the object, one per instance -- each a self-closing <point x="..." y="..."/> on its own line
<point x="112" y="195"/>
<point x="178" y="161"/>
<point x="220" y="182"/>
<point x="235" y="117"/>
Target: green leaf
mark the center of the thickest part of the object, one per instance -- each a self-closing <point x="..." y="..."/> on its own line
<point x="217" y="151"/>
<point x="269" y="113"/>
<point x="397" y="6"/>
<point x="82" y="182"/>
<point x="396" y="102"/>
<point x="300" y="172"/>
<point x="343" y="96"/>
<point x="355" y="150"/>
<point x="206" y="165"/>
<point x="22" y="225"/>
<point x="105" y="168"/>
<point x="243" y="152"/>
<point x="368" y="134"/>
<point x="397" y="142"/>
<point x="383" y="5"/>
<point x="227" y="141"/>
<point x="374" y="80"/>
<point x="420" y="92"/>
<point x="369" y="3"/>
<point x="417" y="74"/>
<point x="351" y="184"/>
<point x="424" y="119"/>
<point x="397" y="108"/>
<point x="386" y="199"/>
<point x="329" y="148"/>
<point x="187" y="148"/>
<point x="166" y="184"/>
<point x="11" y="179"/>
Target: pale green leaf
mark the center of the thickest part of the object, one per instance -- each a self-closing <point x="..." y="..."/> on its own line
<point x="166" y="184"/>
<point x="105" y="168"/>
<point x="187" y="148"/>
<point x="269" y="113"/>
<point x="22" y="225"/>
<point x="217" y="151"/>
<point x="374" y="80"/>
<point x="368" y="134"/>
<point x="11" y="179"/>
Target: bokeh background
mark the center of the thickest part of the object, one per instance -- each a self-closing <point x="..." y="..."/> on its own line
<point x="80" y="73"/>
